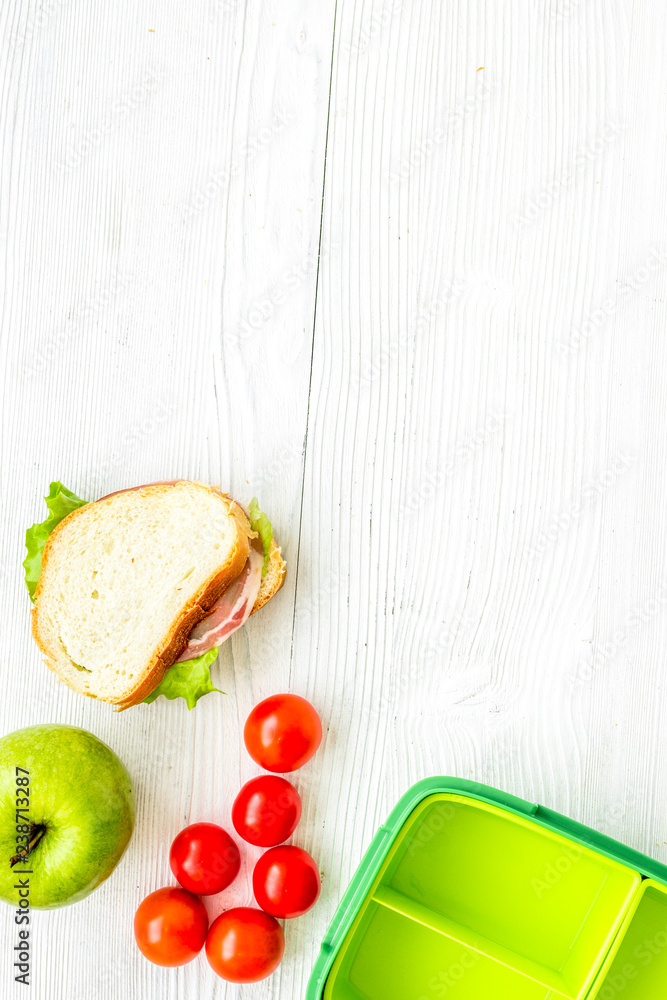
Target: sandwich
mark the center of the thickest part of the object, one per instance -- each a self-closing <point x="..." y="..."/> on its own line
<point x="134" y="593"/>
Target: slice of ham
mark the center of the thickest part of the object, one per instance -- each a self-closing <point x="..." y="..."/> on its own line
<point x="232" y="609"/>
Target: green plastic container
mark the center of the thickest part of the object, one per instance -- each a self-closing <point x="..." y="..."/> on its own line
<point x="471" y="894"/>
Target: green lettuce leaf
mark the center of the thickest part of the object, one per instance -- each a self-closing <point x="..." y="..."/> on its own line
<point x="259" y="522"/>
<point x="60" y="502"/>
<point x="190" y="679"/>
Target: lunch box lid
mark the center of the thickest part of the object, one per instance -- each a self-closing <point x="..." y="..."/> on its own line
<point x="462" y="790"/>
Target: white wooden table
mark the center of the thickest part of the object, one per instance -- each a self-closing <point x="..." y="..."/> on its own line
<point x="399" y="267"/>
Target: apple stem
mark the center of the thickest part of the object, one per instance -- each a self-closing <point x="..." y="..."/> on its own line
<point x="37" y="831"/>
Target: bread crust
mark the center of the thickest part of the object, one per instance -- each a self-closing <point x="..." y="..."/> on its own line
<point x="275" y="577"/>
<point x="176" y="639"/>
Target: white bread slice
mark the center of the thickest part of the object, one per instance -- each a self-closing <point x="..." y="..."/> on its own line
<point x="125" y="580"/>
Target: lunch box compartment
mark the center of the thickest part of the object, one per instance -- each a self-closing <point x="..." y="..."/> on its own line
<point x="636" y="968"/>
<point x="523" y="888"/>
<point x="395" y="958"/>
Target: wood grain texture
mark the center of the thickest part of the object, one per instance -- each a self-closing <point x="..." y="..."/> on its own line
<point x="457" y="422"/>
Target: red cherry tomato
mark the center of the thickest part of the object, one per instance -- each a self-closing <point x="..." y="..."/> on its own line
<point x="282" y="732"/>
<point x="170" y="927"/>
<point x="266" y="810"/>
<point x="204" y="858"/>
<point x="286" y="881"/>
<point x="244" y="945"/>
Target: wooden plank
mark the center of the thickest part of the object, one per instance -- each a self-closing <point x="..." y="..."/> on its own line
<point x="162" y="174"/>
<point x="483" y="504"/>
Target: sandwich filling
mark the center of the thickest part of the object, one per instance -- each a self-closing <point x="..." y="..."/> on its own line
<point x="231" y="610"/>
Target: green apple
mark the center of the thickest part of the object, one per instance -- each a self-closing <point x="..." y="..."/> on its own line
<point x="79" y="819"/>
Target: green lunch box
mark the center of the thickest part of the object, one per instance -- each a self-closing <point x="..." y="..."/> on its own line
<point x="471" y="894"/>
